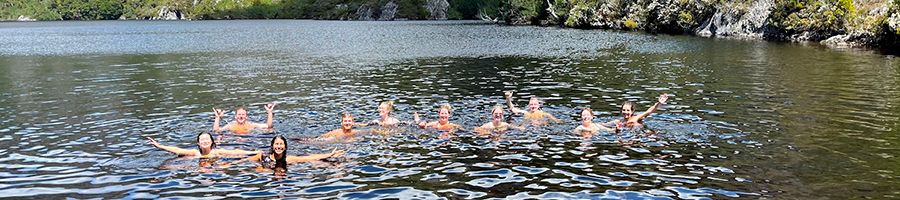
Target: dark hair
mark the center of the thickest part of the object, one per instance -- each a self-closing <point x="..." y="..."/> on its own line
<point x="280" y="162"/>
<point x="211" y="146"/>
<point x="629" y="104"/>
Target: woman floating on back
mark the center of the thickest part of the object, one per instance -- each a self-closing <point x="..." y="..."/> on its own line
<point x="277" y="157"/>
<point x="240" y="125"/>
<point x="534" y="114"/>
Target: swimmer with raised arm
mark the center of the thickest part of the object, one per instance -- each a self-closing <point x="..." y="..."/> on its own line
<point x="240" y="125"/>
<point x="588" y="128"/>
<point x="206" y="148"/>
<point x="277" y="156"/>
<point x="630" y="120"/>
<point x="443" y="123"/>
<point x="534" y="114"/>
<point x="497" y="125"/>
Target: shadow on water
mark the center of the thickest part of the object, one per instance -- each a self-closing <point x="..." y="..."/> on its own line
<point x="744" y="120"/>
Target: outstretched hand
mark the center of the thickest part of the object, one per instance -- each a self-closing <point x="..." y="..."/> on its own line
<point x="152" y="142"/>
<point x="218" y="112"/>
<point x="416" y="117"/>
<point x="336" y="153"/>
<point x="269" y="107"/>
<point x="663" y="98"/>
<point x="508" y="94"/>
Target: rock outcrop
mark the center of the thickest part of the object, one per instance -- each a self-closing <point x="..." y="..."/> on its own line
<point x="733" y="22"/>
<point x="437" y="9"/>
<point x="388" y="11"/>
<point x="167" y="13"/>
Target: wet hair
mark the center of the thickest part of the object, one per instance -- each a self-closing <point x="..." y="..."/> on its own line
<point x="211" y="146"/>
<point x="390" y="105"/>
<point x="346" y="114"/>
<point x="446" y="106"/>
<point x="280" y="162"/>
<point x="629" y="104"/>
<point x="240" y="108"/>
<point x="587" y="109"/>
<point x="495" y="108"/>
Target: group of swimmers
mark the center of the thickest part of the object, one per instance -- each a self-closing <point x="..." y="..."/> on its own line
<point x="276" y="157"/>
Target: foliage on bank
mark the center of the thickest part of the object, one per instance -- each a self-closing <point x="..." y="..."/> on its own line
<point x="234" y="9"/>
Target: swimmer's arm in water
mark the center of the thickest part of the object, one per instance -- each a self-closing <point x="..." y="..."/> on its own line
<point x="662" y="100"/>
<point x="175" y="150"/>
<point x="517" y="127"/>
<point x="254" y="158"/>
<point x="605" y="128"/>
<point x="314" y="157"/>
<point x="552" y="118"/>
<point x="484" y="129"/>
<point x="234" y="152"/>
<point x="512" y="107"/>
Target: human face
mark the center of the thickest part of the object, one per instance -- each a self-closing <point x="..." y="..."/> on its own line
<point x="278" y="146"/>
<point x="443" y="116"/>
<point x="497" y="116"/>
<point x="627" y="111"/>
<point x="347" y="122"/>
<point x="586" y="117"/>
<point x="205" y="141"/>
<point x="384" y="111"/>
<point x="240" y="116"/>
<point x="534" y="104"/>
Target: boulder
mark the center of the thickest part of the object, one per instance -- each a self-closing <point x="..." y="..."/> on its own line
<point x="388" y="11"/>
<point x="437" y="9"/>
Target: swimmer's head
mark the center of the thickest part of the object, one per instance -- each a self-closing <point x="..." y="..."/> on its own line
<point x="205" y="143"/>
<point x="240" y="115"/>
<point x="444" y="113"/>
<point x="534" y="104"/>
<point x="497" y="114"/>
<point x="628" y="109"/>
<point x="587" y="116"/>
<point x="346" y="121"/>
<point x="279" y="150"/>
<point x="385" y="108"/>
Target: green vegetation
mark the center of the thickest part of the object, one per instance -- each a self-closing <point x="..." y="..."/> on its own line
<point x="232" y="9"/>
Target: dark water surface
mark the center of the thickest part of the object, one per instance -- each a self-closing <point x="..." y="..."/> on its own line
<point x="746" y="119"/>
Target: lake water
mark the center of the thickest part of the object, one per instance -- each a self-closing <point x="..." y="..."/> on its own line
<point x="746" y="119"/>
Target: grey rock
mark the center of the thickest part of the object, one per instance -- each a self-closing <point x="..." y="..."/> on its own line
<point x="365" y="13"/>
<point x="729" y="21"/>
<point x="166" y="13"/>
<point x="437" y="9"/>
<point x="388" y="11"/>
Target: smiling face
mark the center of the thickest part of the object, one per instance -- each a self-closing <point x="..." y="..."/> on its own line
<point x="443" y="116"/>
<point x="587" y="117"/>
<point x="497" y="115"/>
<point x="278" y="147"/>
<point x="534" y="104"/>
<point x="240" y="116"/>
<point x="628" y="110"/>
<point x="347" y="122"/>
<point x="205" y="143"/>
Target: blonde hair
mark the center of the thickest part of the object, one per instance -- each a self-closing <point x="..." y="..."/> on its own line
<point x="496" y="107"/>
<point x="587" y="109"/>
<point x="446" y="106"/>
<point x="390" y="105"/>
<point x="346" y="114"/>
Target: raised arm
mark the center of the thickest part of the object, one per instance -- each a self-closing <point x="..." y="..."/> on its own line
<point x="270" y="114"/>
<point x="218" y="113"/>
<point x="175" y="150"/>
<point x="314" y="157"/>
<point x="418" y="120"/>
<point x="662" y="100"/>
<point x="512" y="107"/>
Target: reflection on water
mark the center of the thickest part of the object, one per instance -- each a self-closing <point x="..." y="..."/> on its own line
<point x="745" y="120"/>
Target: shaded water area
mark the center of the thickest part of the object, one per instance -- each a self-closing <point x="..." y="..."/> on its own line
<point x="745" y="119"/>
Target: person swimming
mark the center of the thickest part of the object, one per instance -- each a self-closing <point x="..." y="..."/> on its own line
<point x="443" y="123"/>
<point x="206" y="148"/>
<point x="384" y="112"/>
<point x="277" y="157"/>
<point x="629" y="120"/>
<point x="346" y="131"/>
<point x="497" y="125"/>
<point x="588" y="128"/>
<point x="240" y="125"/>
<point x="534" y="114"/>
